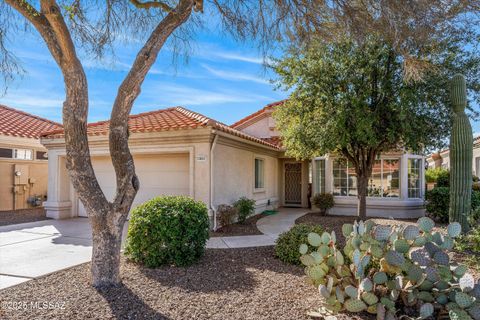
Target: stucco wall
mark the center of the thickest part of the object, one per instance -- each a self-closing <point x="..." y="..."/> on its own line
<point x="233" y="171"/>
<point x="261" y="128"/>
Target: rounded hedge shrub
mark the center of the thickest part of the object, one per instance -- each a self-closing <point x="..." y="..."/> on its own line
<point x="245" y="207"/>
<point x="288" y="243"/>
<point x="438" y="202"/>
<point x="167" y="230"/>
<point x="323" y="201"/>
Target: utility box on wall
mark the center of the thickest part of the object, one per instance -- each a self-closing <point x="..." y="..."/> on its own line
<point x="21" y="174"/>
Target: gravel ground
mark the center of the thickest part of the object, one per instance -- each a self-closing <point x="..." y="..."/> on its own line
<point x="248" y="228"/>
<point x="22" y="216"/>
<point x="225" y="284"/>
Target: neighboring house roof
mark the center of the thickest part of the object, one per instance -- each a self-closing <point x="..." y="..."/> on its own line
<point x="21" y="124"/>
<point x="177" y="118"/>
<point x="274" y="140"/>
<point x="259" y="114"/>
<point x="476" y="144"/>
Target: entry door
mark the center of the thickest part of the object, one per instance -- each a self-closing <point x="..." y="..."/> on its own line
<point x="293" y="184"/>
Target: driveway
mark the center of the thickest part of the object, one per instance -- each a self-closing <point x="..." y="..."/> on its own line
<point x="31" y="250"/>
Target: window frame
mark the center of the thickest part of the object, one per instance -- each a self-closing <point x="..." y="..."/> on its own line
<point x="323" y="187"/>
<point x="15" y="150"/>
<point x="421" y="177"/>
<point x="399" y="159"/>
<point x="262" y="187"/>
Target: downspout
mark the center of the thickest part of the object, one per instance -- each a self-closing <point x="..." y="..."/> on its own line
<point x="212" y="149"/>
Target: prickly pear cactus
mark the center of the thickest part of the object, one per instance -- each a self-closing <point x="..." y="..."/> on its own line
<point x="461" y="154"/>
<point x="384" y="269"/>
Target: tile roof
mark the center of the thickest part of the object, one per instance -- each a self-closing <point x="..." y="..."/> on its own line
<point x="17" y="123"/>
<point x="176" y="118"/>
<point x="268" y="107"/>
<point x="276" y="140"/>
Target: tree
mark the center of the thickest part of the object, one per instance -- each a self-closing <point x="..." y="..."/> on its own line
<point x="351" y="99"/>
<point x="67" y="27"/>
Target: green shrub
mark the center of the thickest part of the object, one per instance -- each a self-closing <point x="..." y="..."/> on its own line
<point x="167" y="230"/>
<point x="323" y="201"/>
<point x="432" y="175"/>
<point x="469" y="242"/>
<point x="245" y="207"/>
<point x="437" y="203"/>
<point x="443" y="178"/>
<point x="288" y="243"/>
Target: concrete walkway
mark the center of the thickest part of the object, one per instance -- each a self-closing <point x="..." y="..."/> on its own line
<point x="31" y="250"/>
<point x="271" y="227"/>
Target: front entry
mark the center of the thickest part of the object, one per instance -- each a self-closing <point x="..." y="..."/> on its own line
<point x="293" y="184"/>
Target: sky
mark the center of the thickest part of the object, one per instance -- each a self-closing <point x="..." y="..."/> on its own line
<point x="223" y="79"/>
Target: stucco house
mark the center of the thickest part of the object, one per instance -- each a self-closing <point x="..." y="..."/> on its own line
<point x="177" y="151"/>
<point x="441" y="159"/>
<point x="23" y="159"/>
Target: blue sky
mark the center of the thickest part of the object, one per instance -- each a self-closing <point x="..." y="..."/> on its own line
<point x="222" y="79"/>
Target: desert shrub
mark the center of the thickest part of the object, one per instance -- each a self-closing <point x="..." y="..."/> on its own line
<point x="432" y="175"/>
<point x="167" y="230"/>
<point x="437" y="203"/>
<point x="443" y="178"/>
<point x="323" y="201"/>
<point x="476" y="186"/>
<point x="469" y="242"/>
<point x="245" y="207"/>
<point x="475" y="199"/>
<point x="226" y="214"/>
<point x="288" y="243"/>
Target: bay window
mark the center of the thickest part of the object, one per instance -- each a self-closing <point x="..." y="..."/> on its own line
<point x="385" y="179"/>
<point x="414" y="181"/>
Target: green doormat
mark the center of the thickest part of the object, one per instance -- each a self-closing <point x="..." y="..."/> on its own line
<point x="269" y="212"/>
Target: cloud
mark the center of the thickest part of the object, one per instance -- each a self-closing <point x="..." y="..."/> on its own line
<point x="188" y="96"/>
<point x="233" y="75"/>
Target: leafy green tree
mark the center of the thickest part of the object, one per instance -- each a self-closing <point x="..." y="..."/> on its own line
<point x="351" y="99"/>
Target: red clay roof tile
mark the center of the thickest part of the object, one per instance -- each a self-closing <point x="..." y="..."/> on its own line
<point x="268" y="107"/>
<point x="21" y="124"/>
<point x="176" y="118"/>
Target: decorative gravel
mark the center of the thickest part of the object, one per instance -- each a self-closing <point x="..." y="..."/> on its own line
<point x="22" y="216"/>
<point x="225" y="284"/>
<point x="248" y="228"/>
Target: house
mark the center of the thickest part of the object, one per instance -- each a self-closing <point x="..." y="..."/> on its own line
<point x="177" y="151"/>
<point x="441" y="159"/>
<point x="23" y="159"/>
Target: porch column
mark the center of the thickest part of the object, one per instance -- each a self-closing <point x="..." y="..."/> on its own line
<point x="58" y="204"/>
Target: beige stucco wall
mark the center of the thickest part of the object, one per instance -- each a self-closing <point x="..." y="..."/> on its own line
<point x="37" y="170"/>
<point x="233" y="173"/>
<point x="262" y="128"/>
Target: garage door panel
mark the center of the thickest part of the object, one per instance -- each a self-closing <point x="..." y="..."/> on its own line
<point x="158" y="175"/>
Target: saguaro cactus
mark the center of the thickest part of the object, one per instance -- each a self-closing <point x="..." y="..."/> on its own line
<point x="461" y="154"/>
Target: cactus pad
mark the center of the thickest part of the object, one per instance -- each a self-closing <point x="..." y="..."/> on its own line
<point x="454" y="229"/>
<point x="474" y="311"/>
<point x="355" y="305"/>
<point x="432" y="274"/>
<point x="370" y="298"/>
<point x="382" y="233"/>
<point x="314" y="239"/>
<point x="380" y="278"/>
<point x="425" y="224"/>
<point x="366" y="285"/>
<point x="441" y="258"/>
<point x="394" y="258"/>
<point x="420" y="256"/>
<point x="463" y="300"/>
<point x="425" y="296"/>
<point x="303" y="248"/>
<point x="426" y="310"/>
<point x="351" y="291"/>
<point x="326" y="238"/>
<point x="411" y="232"/>
<point x="401" y="245"/>
<point x="466" y="283"/>
<point x="415" y="273"/>
<point x="307" y="260"/>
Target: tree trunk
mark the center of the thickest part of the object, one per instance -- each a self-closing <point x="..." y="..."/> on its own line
<point x="362" y="185"/>
<point x="107" y="238"/>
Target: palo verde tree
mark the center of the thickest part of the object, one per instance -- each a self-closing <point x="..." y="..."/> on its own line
<point x="72" y="28"/>
<point x="351" y="99"/>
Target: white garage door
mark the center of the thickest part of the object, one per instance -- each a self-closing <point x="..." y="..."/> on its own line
<point x="166" y="174"/>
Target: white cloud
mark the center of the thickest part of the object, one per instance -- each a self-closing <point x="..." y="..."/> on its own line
<point x="233" y="75"/>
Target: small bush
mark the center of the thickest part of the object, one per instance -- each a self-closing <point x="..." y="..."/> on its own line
<point x="288" y="243"/>
<point x="437" y="203"/>
<point x="226" y="214"/>
<point x="476" y="186"/>
<point x="245" y="207"/>
<point x="469" y="242"/>
<point x="443" y="178"/>
<point x="323" y="201"/>
<point x="432" y="175"/>
<point x="167" y="230"/>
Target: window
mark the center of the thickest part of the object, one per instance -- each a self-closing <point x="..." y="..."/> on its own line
<point x="259" y="173"/>
<point x="344" y="178"/>
<point x="319" y="170"/>
<point x="414" y="171"/>
<point x="385" y="179"/>
<point x="6" y="153"/>
<point x="22" y="154"/>
<point x="41" y="155"/>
